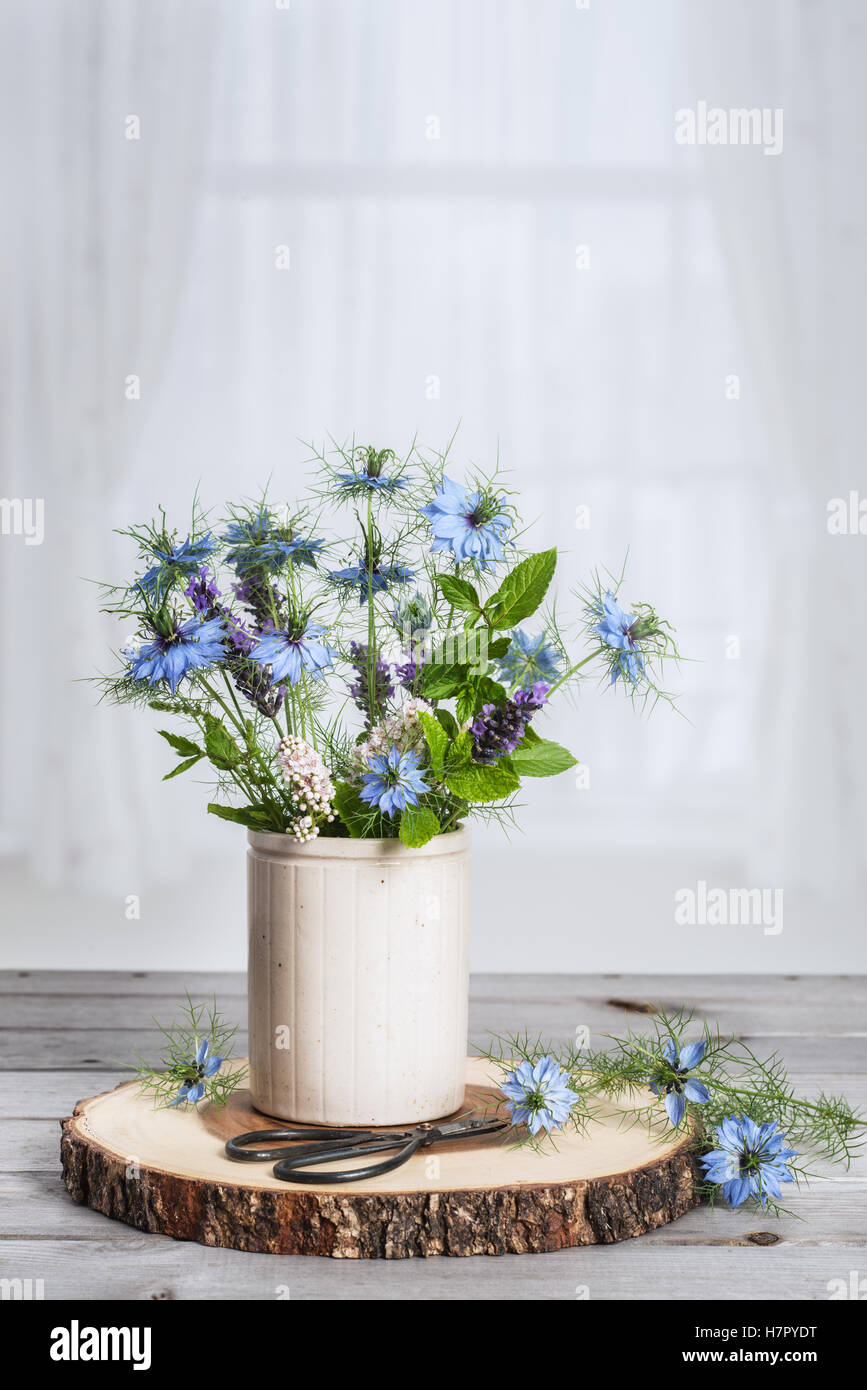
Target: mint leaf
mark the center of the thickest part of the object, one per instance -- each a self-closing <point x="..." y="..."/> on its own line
<point x="439" y="682"/>
<point x="184" y="746"/>
<point x="522" y="591"/>
<point x="182" y="767"/>
<point x="448" y="722"/>
<point x="254" y="817"/>
<point x="220" y="747"/>
<point x="436" y="739"/>
<point x="460" y="753"/>
<point x="498" y="647"/>
<point x="477" y="783"/>
<point x="541" y="759"/>
<point x="459" y="593"/>
<point x="465" y="704"/>
<point x="363" y="822"/>
<point x="417" y="826"/>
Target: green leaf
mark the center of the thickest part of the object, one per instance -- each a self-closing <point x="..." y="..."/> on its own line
<point x="184" y="746"/>
<point x="417" y="826"/>
<point x="541" y="759"/>
<point x="436" y="739"/>
<point x="363" y="822"/>
<point x="475" y="693"/>
<point x="254" y="817"/>
<point x="448" y="722"/>
<point x="498" y="647"/>
<point x="440" y="682"/>
<point x="220" y="747"/>
<point x="465" y="705"/>
<point x="182" y="767"/>
<point x="460" y="753"/>
<point x="477" y="783"/>
<point x="522" y="591"/>
<point x="459" y="593"/>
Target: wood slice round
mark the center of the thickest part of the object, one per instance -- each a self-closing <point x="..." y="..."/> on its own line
<point x="166" y="1171"/>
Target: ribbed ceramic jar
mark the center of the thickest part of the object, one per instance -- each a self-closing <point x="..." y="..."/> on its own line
<point x="358" y="978"/>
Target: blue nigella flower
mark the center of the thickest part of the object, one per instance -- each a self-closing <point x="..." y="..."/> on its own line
<point x="618" y="631"/>
<point x="750" y="1160"/>
<point x="288" y="653"/>
<point x="469" y="524"/>
<point x="367" y="473"/>
<point x="257" y="544"/>
<point x="204" y="1067"/>
<point x="672" y="1081"/>
<point x="184" y="559"/>
<point x="529" y="659"/>
<point x="377" y="579"/>
<point x="394" y="781"/>
<point x="538" y="1095"/>
<point x="186" y="647"/>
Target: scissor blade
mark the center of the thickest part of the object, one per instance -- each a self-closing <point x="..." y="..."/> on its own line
<point x="457" y="1129"/>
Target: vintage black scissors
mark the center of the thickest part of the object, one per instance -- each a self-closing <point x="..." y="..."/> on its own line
<point x="298" y="1164"/>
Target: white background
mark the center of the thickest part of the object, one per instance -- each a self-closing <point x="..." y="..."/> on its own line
<point x="605" y="386"/>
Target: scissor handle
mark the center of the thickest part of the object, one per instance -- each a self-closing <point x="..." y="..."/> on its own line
<point x="289" y="1168"/>
<point x="238" y="1149"/>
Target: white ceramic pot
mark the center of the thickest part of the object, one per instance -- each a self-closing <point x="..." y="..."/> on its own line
<point x="358" y="978"/>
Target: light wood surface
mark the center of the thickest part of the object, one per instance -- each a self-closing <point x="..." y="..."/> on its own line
<point x="73" y="1028"/>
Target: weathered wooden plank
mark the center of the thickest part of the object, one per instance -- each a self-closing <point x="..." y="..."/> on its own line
<point x="49" y="1095"/>
<point x="742" y="989"/>
<point x="128" y="982"/>
<point x="829" y="1006"/>
<point x="557" y="1016"/>
<point x="84" y="1050"/>
<point x="155" y="1267"/>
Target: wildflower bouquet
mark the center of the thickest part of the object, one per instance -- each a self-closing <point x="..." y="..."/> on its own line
<point x="377" y="683"/>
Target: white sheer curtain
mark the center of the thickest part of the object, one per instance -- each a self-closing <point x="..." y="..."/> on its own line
<point x="434" y="280"/>
<point x="98" y="236"/>
<point x="793" y="228"/>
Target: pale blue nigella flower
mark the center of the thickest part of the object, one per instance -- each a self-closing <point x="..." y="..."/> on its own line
<point x="291" y="652"/>
<point x="617" y="630"/>
<point x="186" y="647"/>
<point x="750" y="1162"/>
<point x="184" y="559"/>
<point x="204" y="1067"/>
<point x="538" y="1095"/>
<point x="529" y="659"/>
<point x="375" y="579"/>
<point x="469" y="524"/>
<point x="367" y="473"/>
<point x="394" y="781"/>
<point x="672" y="1081"/>
<point x="257" y="544"/>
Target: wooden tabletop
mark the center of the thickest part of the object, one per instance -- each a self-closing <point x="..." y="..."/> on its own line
<point x="66" y="1035"/>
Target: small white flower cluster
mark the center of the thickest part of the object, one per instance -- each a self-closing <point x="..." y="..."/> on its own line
<point x="402" y="731"/>
<point x="311" y="787"/>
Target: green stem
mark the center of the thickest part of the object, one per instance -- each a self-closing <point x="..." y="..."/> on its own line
<point x="573" y="669"/>
<point x="371" y="619"/>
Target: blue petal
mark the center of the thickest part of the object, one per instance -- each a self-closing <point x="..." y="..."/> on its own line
<point x="691" y="1055"/>
<point x="675" y="1105"/>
